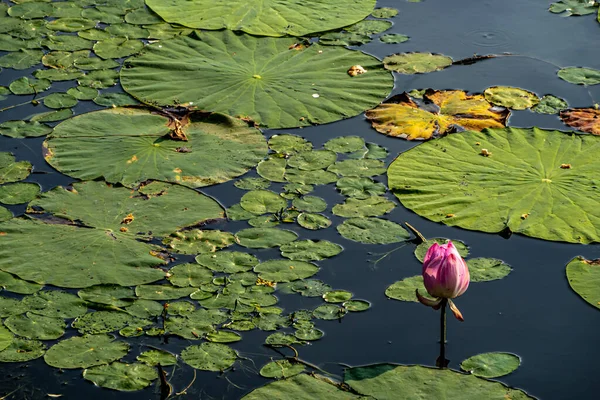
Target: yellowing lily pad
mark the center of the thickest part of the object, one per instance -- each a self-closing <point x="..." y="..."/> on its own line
<point x="401" y="116"/>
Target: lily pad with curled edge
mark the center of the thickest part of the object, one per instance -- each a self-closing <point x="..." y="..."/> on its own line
<point x="583" y="119"/>
<point x="272" y="169"/>
<point x="301" y="387"/>
<point x="279" y="369"/>
<point x="313" y="221"/>
<point x="539" y="183"/>
<point x="416" y="63"/>
<point x="308" y="250"/>
<point x="102" y="322"/>
<point x="312" y="159"/>
<point x="263" y="238"/>
<point x="13" y="284"/>
<point x="23" y="129"/>
<point x="345" y="144"/>
<point x="55" y="303"/>
<point x="312" y="204"/>
<point x="189" y="274"/>
<point x="584" y="278"/>
<point x="162" y="292"/>
<point x="285" y="270"/>
<point x="400" y="116"/>
<point x="19" y="192"/>
<point x="316" y="177"/>
<point x="487" y="269"/>
<point x="209" y="356"/>
<point x="422" y="248"/>
<point x="337" y="296"/>
<point x="114" y="295"/>
<point x="370" y="207"/>
<point x="385" y="381"/>
<point x="22" y="59"/>
<point x="550" y="104"/>
<point x="356" y="305"/>
<point x="511" y="97"/>
<point x="289" y="144"/>
<point x="199" y="241"/>
<point x="262" y="201"/>
<point x="11" y="171"/>
<point x="252" y="183"/>
<point x="218" y="149"/>
<point x="360" y="187"/>
<point x="303" y="86"/>
<point x="360" y="168"/>
<point x="21" y="350"/>
<point x="121" y="376"/>
<point x="34" y="326"/>
<point x="329" y="312"/>
<point x="265" y="19"/>
<point x="155" y="357"/>
<point x="404" y="290"/>
<point x="372" y="231"/>
<point x="229" y="262"/>
<point x="491" y="365"/>
<point x="580" y="76"/>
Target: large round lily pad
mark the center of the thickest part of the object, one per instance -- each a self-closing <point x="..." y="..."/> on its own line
<point x="133" y="145"/>
<point x="121" y="376"/>
<point x="584" y="279"/>
<point x="536" y="182"/>
<point x="209" y="356"/>
<point x="85" y="351"/>
<point x="257" y="78"/>
<point x="268" y="18"/>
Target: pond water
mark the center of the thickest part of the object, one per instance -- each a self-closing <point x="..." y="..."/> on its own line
<point x="532" y="312"/>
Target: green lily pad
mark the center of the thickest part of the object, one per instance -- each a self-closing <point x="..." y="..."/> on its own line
<point x="30" y="10"/>
<point x="102" y="322"/>
<point x="97" y="63"/>
<point x="312" y="160"/>
<point x="19" y="193"/>
<point x="115" y="100"/>
<point x="22" y="350"/>
<point x="199" y="241"/>
<point x="10" y="306"/>
<point x="372" y="231"/>
<point x="237" y="213"/>
<point x="219" y="148"/>
<point x="209" y="356"/>
<point x="34" y="326"/>
<point x="57" y="75"/>
<point x="272" y="169"/>
<point x="393" y="38"/>
<point x="369" y="207"/>
<point x="416" y="63"/>
<point x="128" y="31"/>
<point x="369" y="27"/>
<point x="263" y="238"/>
<point x="65" y="10"/>
<point x="99" y="79"/>
<point x="121" y="376"/>
<point x="252" y="183"/>
<point x="258" y="18"/>
<point x="5" y="214"/>
<point x="384" y="12"/>
<point x="95" y="33"/>
<point x="310" y="287"/>
<point x="487" y="269"/>
<point x="550" y="104"/>
<point x="301" y="387"/>
<point x="182" y="308"/>
<point x="155" y="357"/>
<point x="113" y="295"/>
<point x="63" y="59"/>
<point x="67" y="43"/>
<point x="55" y="303"/>
<point x="535" y="182"/>
<point x="229" y="262"/>
<point x="316" y="177"/>
<point x="60" y="100"/>
<point x="288" y="144"/>
<point x="145" y="309"/>
<point x="312" y="204"/>
<point x="103" y="14"/>
<point x="344" y="39"/>
<point x="27" y="85"/>
<point x="491" y="365"/>
<point x="359" y="168"/>
<point x="223" y="337"/>
<point x="298" y="188"/>
<point x="11" y="171"/>
<point x="326" y="94"/>
<point x="52" y="116"/>
<point x="360" y="187"/>
<point x="21" y="59"/>
<point x="422" y="248"/>
<point x="584" y="278"/>
<point x="162" y="292"/>
<point x="511" y="97"/>
<point x="70" y="24"/>
<point x="83" y="92"/>
<point x="281" y="339"/>
<point x="142" y="16"/>
<point x="264" y="221"/>
<point x="404" y="290"/>
<point x="384" y="381"/>
<point x="285" y="270"/>
<point x="281" y="369"/>
<point x="117" y="47"/>
<point x="345" y="144"/>
<point x="309" y="333"/>
<point x="23" y="129"/>
<point x="580" y="76"/>
<point x="337" y="296"/>
<point x="329" y="312"/>
<point x="573" y="7"/>
<point x="262" y="201"/>
<point x="13" y="284"/>
<point x="308" y="250"/>
<point x="357" y="305"/>
<point x="194" y="275"/>
<point x="6" y="338"/>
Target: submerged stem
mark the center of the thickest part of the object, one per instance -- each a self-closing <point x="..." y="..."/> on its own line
<point x="442" y="359"/>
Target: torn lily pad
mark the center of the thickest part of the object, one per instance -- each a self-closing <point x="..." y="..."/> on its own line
<point x="583" y="119"/>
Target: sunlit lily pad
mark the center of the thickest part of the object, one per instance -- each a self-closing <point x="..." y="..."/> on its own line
<point x="13" y="284"/>
<point x="218" y="149"/>
<point x="384" y="12"/>
<point x="115" y="100"/>
<point x="329" y="312"/>
<point x="262" y="201"/>
<point x="285" y="270"/>
<point x="144" y="308"/>
<point x="358" y="168"/>
<point x="550" y="104"/>
<point x="196" y="241"/>
<point x="583" y="119"/>
<point x="272" y="169"/>
<point x="401" y="116"/>
<point x="511" y="97"/>
<point x="394" y="38"/>
<point x="21" y="59"/>
<point x="416" y="63"/>
<point x="121" y="376"/>
<point x="369" y="207"/>
<point x="315" y="177"/>
<point x="491" y="365"/>
<point x="337" y="296"/>
<point x="372" y="231"/>
<point x="536" y="182"/>
<point x="584" y="278"/>
<point x="194" y="275"/>
<point x="60" y="100"/>
<point x="155" y="357"/>
<point x="209" y="356"/>
<point x="580" y="76"/>
<point x="312" y="159"/>
<point x="11" y="171"/>
<point x="281" y="369"/>
<point x="258" y="18"/>
<point x="250" y="85"/>
<point x="344" y="38"/>
<point x="85" y="351"/>
<point x="345" y="144"/>
<point x="357" y="305"/>
<point x="252" y="183"/>
<point x="162" y="292"/>
<point x="223" y="336"/>
<point x="21" y="350"/>
<point x="312" y="204"/>
<point x="404" y="290"/>
<point x="55" y="303"/>
<point x="228" y="261"/>
<point x="288" y="144"/>
<point x="102" y="322"/>
<point x="262" y="238"/>
<point x="313" y="221"/>
<point x="573" y="7"/>
<point x="117" y="47"/>
<point x="310" y="287"/>
<point x="487" y="269"/>
<point x="70" y="24"/>
<point x="27" y="85"/>
<point x="300" y="387"/>
<point x="422" y="248"/>
<point x="308" y="250"/>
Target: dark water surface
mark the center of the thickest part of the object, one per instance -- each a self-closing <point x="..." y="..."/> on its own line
<point x="532" y="312"/>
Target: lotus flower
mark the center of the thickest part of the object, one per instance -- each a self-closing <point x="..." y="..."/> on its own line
<point x="445" y="275"/>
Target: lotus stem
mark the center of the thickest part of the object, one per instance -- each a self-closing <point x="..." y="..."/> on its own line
<point x="442" y="359"/>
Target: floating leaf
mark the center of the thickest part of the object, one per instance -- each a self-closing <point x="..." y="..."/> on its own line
<point x="115" y="100"/>
<point x="300" y="386"/>
<point x="257" y="18"/>
<point x="113" y="295"/>
<point x="219" y="148"/>
<point x="34" y="326"/>
<point x="60" y="100"/>
<point x="194" y="275"/>
<point x="121" y="376"/>
<point x="145" y="309"/>
<point x="360" y="168"/>
<point x="281" y="369"/>
<point x="85" y="351"/>
<point x="491" y="365"/>
<point x="63" y="59"/>
<point x="313" y="221"/>
<point x="404" y="290"/>
<point x="155" y="357"/>
<point x="162" y="292"/>
<point x="223" y="337"/>
<point x="70" y="24"/>
<point x="262" y="201"/>
<point x="360" y="187"/>
<point x="127" y="31"/>
<point x="11" y="171"/>
<point x="272" y="169"/>
<point x="416" y="63"/>
<point x="117" y="47"/>
<point x="12" y="284"/>
<point x="55" y="303"/>
<point x="52" y="116"/>
<point x="536" y="182"/>
<point x="511" y="97"/>
<point x="573" y="7"/>
<point x="102" y="322"/>
<point x="308" y="250"/>
<point x="337" y="296"/>
<point x="584" y="277"/>
<point x="23" y="129"/>
<point x="249" y="78"/>
<point x="317" y="177"/>
<point x="345" y="144"/>
<point x="422" y="248"/>
<point x="369" y="27"/>
<point x="99" y="79"/>
<point x="583" y="119"/>
<point x="580" y="76"/>
<point x="252" y="183"/>
<point x="344" y="39"/>
<point x="209" y="356"/>
<point x="384" y="12"/>
<point x="310" y="203"/>
<point x="27" y="85"/>
<point x="6" y="338"/>
<point x="262" y="238"/>
<point x="18" y="193"/>
<point x="288" y="144"/>
<point x="550" y="104"/>
<point x="370" y="207"/>
<point x="310" y="287"/>
<point x="393" y="38"/>
<point x="67" y="43"/>
<point x="372" y="231"/>
<point x="357" y="305"/>
<point x="285" y="270"/>
<point x="312" y="160"/>
<point x="401" y="117"/>
<point x="22" y="350"/>
<point x="22" y="59"/>
<point x="487" y="269"/>
<point x="199" y="241"/>
<point x="329" y="312"/>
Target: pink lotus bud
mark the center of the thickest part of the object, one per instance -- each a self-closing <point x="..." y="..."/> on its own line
<point x="445" y="273"/>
